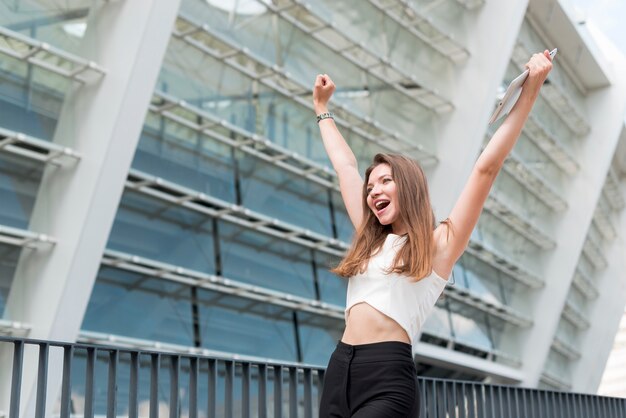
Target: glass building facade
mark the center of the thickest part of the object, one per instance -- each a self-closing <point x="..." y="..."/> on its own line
<point x="230" y="216"/>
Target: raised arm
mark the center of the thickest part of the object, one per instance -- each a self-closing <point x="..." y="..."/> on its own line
<point x="450" y="244"/>
<point x="341" y="156"/>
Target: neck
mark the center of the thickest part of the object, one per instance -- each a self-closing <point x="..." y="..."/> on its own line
<point x="398" y="228"/>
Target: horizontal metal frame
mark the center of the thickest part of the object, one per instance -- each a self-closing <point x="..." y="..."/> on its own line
<point x="517" y="222"/>
<point x="555" y="96"/>
<point x="156" y="269"/>
<point x="612" y="190"/>
<point x="25" y="239"/>
<point x="181" y="112"/>
<point x="240" y="58"/>
<point x="13" y="328"/>
<point x="554" y="381"/>
<point x="120" y="341"/>
<point x="602" y="221"/>
<point x="36" y="149"/>
<point x="217" y="208"/>
<point x="490" y="354"/>
<point x="45" y="56"/>
<point x="534" y="183"/>
<point x="583" y="283"/>
<point x="560" y="346"/>
<point x="153" y="268"/>
<point x="574" y="316"/>
<point x="498" y="310"/>
<point x="594" y="254"/>
<point x="550" y="145"/>
<point x="471" y="4"/>
<point x="423" y="28"/>
<point x="199" y="202"/>
<point x="503" y="264"/>
<point x="304" y="17"/>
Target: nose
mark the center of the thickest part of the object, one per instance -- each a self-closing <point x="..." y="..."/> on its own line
<point x="375" y="191"/>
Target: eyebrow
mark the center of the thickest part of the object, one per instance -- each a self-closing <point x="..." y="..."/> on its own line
<point x="380" y="177"/>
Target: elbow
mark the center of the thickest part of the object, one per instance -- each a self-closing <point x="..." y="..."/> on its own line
<point x="490" y="169"/>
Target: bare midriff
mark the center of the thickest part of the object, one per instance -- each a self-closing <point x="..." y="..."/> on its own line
<point x="367" y="325"/>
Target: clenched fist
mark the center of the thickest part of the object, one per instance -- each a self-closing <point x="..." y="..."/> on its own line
<point x="322" y="91"/>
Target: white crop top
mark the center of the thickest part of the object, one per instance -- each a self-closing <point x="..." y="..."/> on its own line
<point x="406" y="302"/>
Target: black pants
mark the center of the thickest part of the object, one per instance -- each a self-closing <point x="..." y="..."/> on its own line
<point x="370" y="380"/>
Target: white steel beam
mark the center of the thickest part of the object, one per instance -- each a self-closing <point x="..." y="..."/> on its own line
<point x="102" y="121"/>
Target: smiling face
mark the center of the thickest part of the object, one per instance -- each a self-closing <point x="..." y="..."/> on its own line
<point x="382" y="198"/>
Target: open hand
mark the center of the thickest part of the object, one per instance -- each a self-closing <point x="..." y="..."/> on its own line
<point x="322" y="91"/>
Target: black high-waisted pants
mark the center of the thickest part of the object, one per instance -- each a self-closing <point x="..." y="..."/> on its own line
<point x="370" y="380"/>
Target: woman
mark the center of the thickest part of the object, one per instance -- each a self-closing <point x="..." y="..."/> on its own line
<point x="397" y="263"/>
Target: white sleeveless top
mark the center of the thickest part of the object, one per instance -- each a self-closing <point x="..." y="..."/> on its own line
<point x="406" y="302"/>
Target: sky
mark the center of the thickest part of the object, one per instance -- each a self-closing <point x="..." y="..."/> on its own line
<point x="607" y="15"/>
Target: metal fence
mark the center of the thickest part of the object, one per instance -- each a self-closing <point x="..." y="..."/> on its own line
<point x="100" y="381"/>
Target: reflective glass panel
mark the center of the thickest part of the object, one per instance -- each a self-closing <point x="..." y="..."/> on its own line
<point x="19" y="182"/>
<point x="332" y="288"/>
<point x="185" y="157"/>
<point x="274" y="192"/>
<point x="263" y="260"/>
<point x="9" y="256"/>
<point x="318" y="337"/>
<point x="244" y="326"/>
<point x="160" y="309"/>
<point x="161" y="232"/>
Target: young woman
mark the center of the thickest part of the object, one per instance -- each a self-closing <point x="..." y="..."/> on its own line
<point x="398" y="261"/>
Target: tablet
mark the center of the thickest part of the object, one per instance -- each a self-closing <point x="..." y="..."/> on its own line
<point x="513" y="92"/>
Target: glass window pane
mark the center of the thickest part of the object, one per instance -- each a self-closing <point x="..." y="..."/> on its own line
<point x="332" y="288"/>
<point x="19" y="182"/>
<point x="184" y="157"/>
<point x="160" y="309"/>
<point x="265" y="261"/>
<point x="156" y="230"/>
<point x="275" y="192"/>
<point x="243" y="326"/>
<point x="318" y="337"/>
<point x="9" y="256"/>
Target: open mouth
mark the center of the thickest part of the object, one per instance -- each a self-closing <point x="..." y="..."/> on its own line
<point x="381" y="205"/>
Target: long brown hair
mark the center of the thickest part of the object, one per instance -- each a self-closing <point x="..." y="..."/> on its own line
<point x="414" y="259"/>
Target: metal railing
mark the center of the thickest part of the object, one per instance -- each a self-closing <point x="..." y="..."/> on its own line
<point x="120" y="381"/>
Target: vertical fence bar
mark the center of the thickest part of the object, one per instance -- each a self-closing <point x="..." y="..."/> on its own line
<point x="229" y="377"/>
<point x="66" y="385"/>
<point x="471" y="400"/>
<point x="278" y="392"/>
<point x="463" y="400"/>
<point x="42" y="380"/>
<point x="245" y="390"/>
<point x="112" y="384"/>
<point x="308" y="394"/>
<point x="90" y="368"/>
<point x="174" y="398"/>
<point x="423" y="398"/>
<point x="293" y="392"/>
<point x="16" y="379"/>
<point x="320" y="385"/>
<point x="193" y="387"/>
<point x="133" y="386"/>
<point x="262" y="410"/>
<point x="212" y="388"/>
<point x="155" y="365"/>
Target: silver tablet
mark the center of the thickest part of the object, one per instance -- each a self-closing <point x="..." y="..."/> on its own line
<point x="513" y="92"/>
